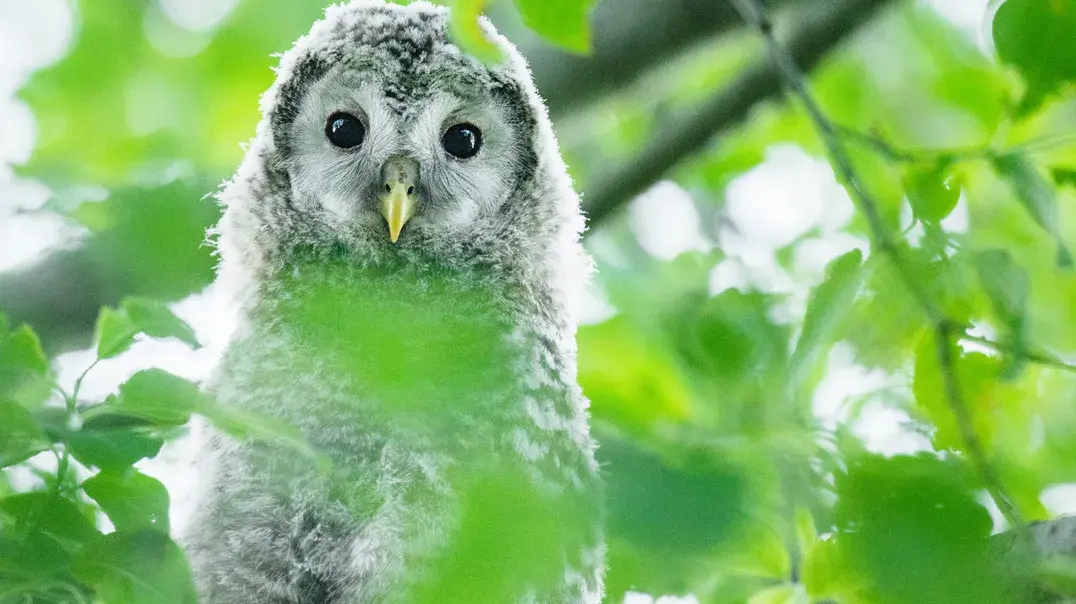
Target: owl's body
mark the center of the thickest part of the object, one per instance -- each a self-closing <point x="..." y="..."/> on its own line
<point x="434" y="373"/>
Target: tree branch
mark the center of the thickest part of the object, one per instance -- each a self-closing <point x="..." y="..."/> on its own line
<point x="821" y="28"/>
<point x="629" y="38"/>
<point x="944" y="330"/>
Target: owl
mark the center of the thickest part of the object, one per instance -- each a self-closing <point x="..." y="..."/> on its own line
<point x="403" y="242"/>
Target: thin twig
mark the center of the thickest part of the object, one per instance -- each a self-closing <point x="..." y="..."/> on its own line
<point x="896" y="153"/>
<point x="1033" y="356"/>
<point x="944" y="330"/>
<point x="71" y="402"/>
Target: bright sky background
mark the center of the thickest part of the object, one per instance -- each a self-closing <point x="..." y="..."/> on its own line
<point x="769" y="206"/>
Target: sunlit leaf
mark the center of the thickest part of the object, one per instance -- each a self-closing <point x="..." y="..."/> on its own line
<point x="974" y="375"/>
<point x="143" y="567"/>
<point x="132" y="501"/>
<point x="563" y="22"/>
<point x="780" y="594"/>
<point x="468" y="32"/>
<point x="630" y="380"/>
<point x="828" y="304"/>
<point x="512" y="536"/>
<point x="1008" y="287"/>
<point x="24" y="369"/>
<point x="1036" y="195"/>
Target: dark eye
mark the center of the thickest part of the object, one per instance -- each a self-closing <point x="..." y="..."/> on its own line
<point x="344" y="130"/>
<point x="462" y="140"/>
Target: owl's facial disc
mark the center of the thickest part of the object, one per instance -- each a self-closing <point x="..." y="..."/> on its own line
<point x="397" y="203"/>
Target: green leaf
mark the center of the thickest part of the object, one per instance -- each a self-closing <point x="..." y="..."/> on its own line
<point x="1037" y="196"/>
<point x="670" y="507"/>
<point x="512" y="536"/>
<point x="24" y="368"/>
<point x="114" y="332"/>
<point x="1036" y="37"/>
<point x="117" y="328"/>
<point x="245" y="425"/>
<point x="1006" y="284"/>
<point x="780" y="594"/>
<point x="630" y="381"/>
<point x="155" y="320"/>
<point x="563" y="22"/>
<point x="168" y="400"/>
<point x="156" y="396"/>
<point x="931" y="197"/>
<point x="143" y="567"/>
<point x="49" y="515"/>
<point x="102" y="445"/>
<point x="132" y="501"/>
<point x="1008" y="287"/>
<point x="827" y="306"/>
<point x="468" y="32"/>
<point x="976" y="376"/>
<point x="911" y="526"/>
<point x="20" y="435"/>
<point x="827" y="575"/>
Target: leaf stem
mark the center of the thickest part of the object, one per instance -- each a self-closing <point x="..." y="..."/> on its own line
<point x="1035" y="356"/>
<point x="753" y="13"/>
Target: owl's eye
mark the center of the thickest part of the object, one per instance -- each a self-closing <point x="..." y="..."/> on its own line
<point x="344" y="130"/>
<point x="462" y="140"/>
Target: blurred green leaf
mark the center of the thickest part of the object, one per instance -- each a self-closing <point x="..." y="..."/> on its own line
<point x="24" y="369"/>
<point x="1008" y="287"/>
<point x="630" y="381"/>
<point x="468" y="32"/>
<point x="1037" y="196"/>
<point x="117" y="328"/>
<point x="780" y="594"/>
<point x="729" y="336"/>
<point x="513" y="536"/>
<point x="827" y="574"/>
<point x="932" y="198"/>
<point x="132" y="501"/>
<point x="563" y="22"/>
<point x="150" y="228"/>
<point x="911" y="525"/>
<point x="828" y="305"/>
<point x="143" y="567"/>
<point x="20" y="435"/>
<point x="976" y="376"/>
<point x="686" y="507"/>
<point x="1036" y="37"/>
<point x="251" y="426"/>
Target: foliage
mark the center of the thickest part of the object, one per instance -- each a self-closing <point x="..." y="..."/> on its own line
<point x="724" y="479"/>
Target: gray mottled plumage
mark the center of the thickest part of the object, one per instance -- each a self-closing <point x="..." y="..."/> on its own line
<point x="416" y="368"/>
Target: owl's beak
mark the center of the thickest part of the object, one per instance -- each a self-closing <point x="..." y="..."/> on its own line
<point x="398" y="200"/>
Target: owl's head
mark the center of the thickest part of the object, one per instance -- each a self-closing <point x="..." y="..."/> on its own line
<point x="382" y="137"/>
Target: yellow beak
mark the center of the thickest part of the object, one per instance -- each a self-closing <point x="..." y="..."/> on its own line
<point x="397" y="206"/>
